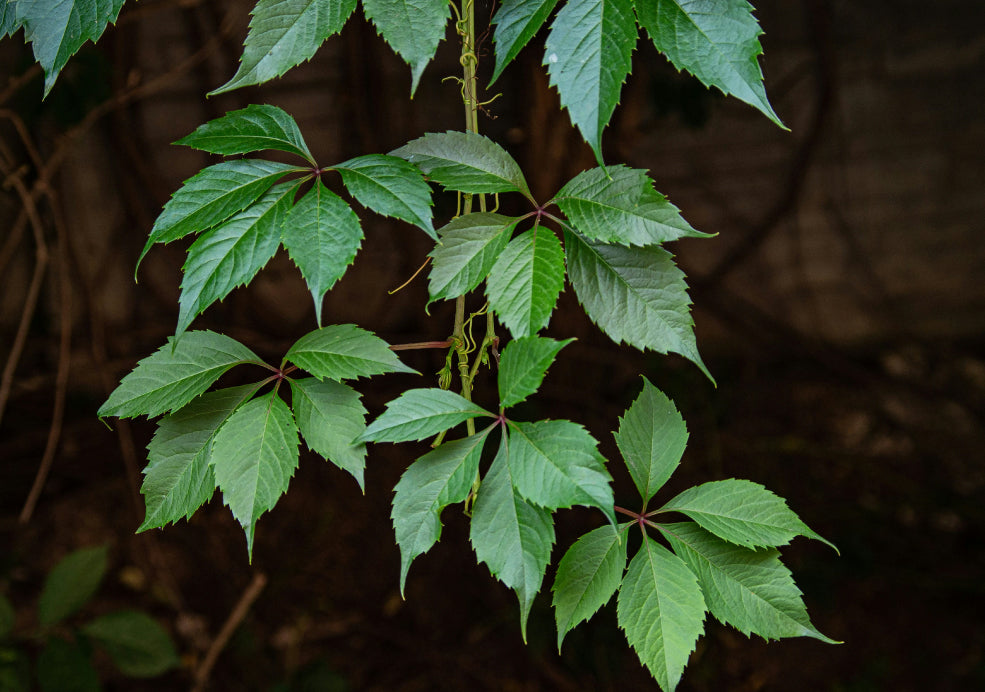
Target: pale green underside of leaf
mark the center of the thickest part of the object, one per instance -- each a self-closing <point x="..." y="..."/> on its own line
<point x="441" y="477"/>
<point x="389" y="186"/>
<point x="516" y="23"/>
<point x="420" y="413"/>
<point x="57" y="30"/>
<point x="588" y="55"/>
<point x="749" y="589"/>
<point x="254" y="456"/>
<point x="330" y="416"/>
<point x="178" y="478"/>
<point x="175" y="374"/>
<point x="344" y="352"/>
<point x="71" y="583"/>
<point x="715" y="40"/>
<point x="469" y="246"/>
<point x="137" y="644"/>
<point x="634" y="295"/>
<point x="651" y="437"/>
<point x="587" y="576"/>
<point x="522" y="367"/>
<point x="413" y="28"/>
<point x="322" y="235"/>
<point x="254" y="128"/>
<point x="525" y="282"/>
<point x="285" y="33"/>
<point x="662" y="611"/>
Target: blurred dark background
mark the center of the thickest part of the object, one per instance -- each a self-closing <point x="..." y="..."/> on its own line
<point x="841" y="309"/>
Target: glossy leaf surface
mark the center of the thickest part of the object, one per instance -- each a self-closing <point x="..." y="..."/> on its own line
<point x="469" y="246"/>
<point x="344" y="352"/>
<point x="330" y="415"/>
<point x="526" y="280"/>
<point x="389" y="186"/>
<point x="254" y="128"/>
<point x="522" y="367"/>
<point x="420" y="413"/>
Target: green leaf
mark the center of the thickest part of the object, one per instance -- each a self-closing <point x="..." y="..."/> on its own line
<point x="389" y="186"/>
<point x="716" y="42"/>
<point x="588" y="55"/>
<point x="57" y="30"/>
<point x="523" y="365"/>
<point x="249" y="129"/>
<point x="661" y="609"/>
<point x="178" y="478"/>
<point x="513" y="537"/>
<point x="741" y="512"/>
<point x="413" y="28"/>
<point x="516" y="23"/>
<point x="344" y="352"/>
<point x="330" y="416"/>
<point x="749" y="589"/>
<point x="66" y="667"/>
<point x="285" y="33"/>
<point x="232" y="253"/>
<point x="440" y="478"/>
<point x="139" y="646"/>
<point x="8" y="617"/>
<point x="8" y="18"/>
<point x="587" y="576"/>
<point x="465" y="161"/>
<point x="420" y="413"/>
<point x="468" y="248"/>
<point x="526" y="280"/>
<point x="322" y="235"/>
<point x="555" y="463"/>
<point x="651" y="437"/>
<point x="71" y="584"/>
<point x="254" y="456"/>
<point x="175" y="374"/>
<point x="634" y="295"/>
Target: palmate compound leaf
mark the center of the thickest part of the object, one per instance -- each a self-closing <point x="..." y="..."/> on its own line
<point x="588" y="55"/>
<point x="178" y="477"/>
<point x="662" y="611"/>
<point x="344" y="352"/>
<point x="136" y="643"/>
<point x="232" y="253"/>
<point x="522" y="367"/>
<point x="512" y="536"/>
<point x="71" y="583"/>
<point x="254" y="456"/>
<point x="389" y="186"/>
<point x="525" y="282"/>
<point x="716" y="41"/>
<point x="587" y="576"/>
<point x="175" y="374"/>
<point x="467" y="249"/>
<point x="413" y="28"/>
<point x="651" y="437"/>
<point x="742" y="512"/>
<point x="420" y="413"/>
<point x="254" y="128"/>
<point x="617" y="204"/>
<point x="516" y="23"/>
<point x="330" y="416"/>
<point x="440" y="478"/>
<point x="636" y="295"/>
<point x="285" y="33"/>
<point x="749" y="589"/>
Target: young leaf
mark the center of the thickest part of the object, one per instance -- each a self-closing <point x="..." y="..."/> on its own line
<point x="232" y="253"/>
<point x="513" y="537"/>
<point x="465" y="161"/>
<point x="413" y="28"/>
<point x="249" y="129"/>
<point x="420" y="413"/>
<point x="175" y="374"/>
<point x="285" y="33"/>
<point x="322" y="235"/>
<point x="253" y="457"/>
<point x="523" y="365"/>
<point x="389" y="186"/>
<point x="661" y="609"/>
<point x="468" y="248"/>
<point x="617" y="204"/>
<point x="749" y="589"/>
<point x="139" y="646"/>
<point x="440" y="478"/>
<point x="741" y="512"/>
<point x="651" y="437"/>
<point x="178" y="478"/>
<point x="588" y="55"/>
<point x="555" y="463"/>
<point x="344" y="352"/>
<point x="634" y="295"/>
<point x="526" y="280"/>
<point x="330" y="416"/>
<point x="718" y="47"/>
<point x="71" y="583"/>
<point x="587" y="576"/>
<point x="57" y="30"/>
<point x="516" y="23"/>
<point x="62" y="666"/>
